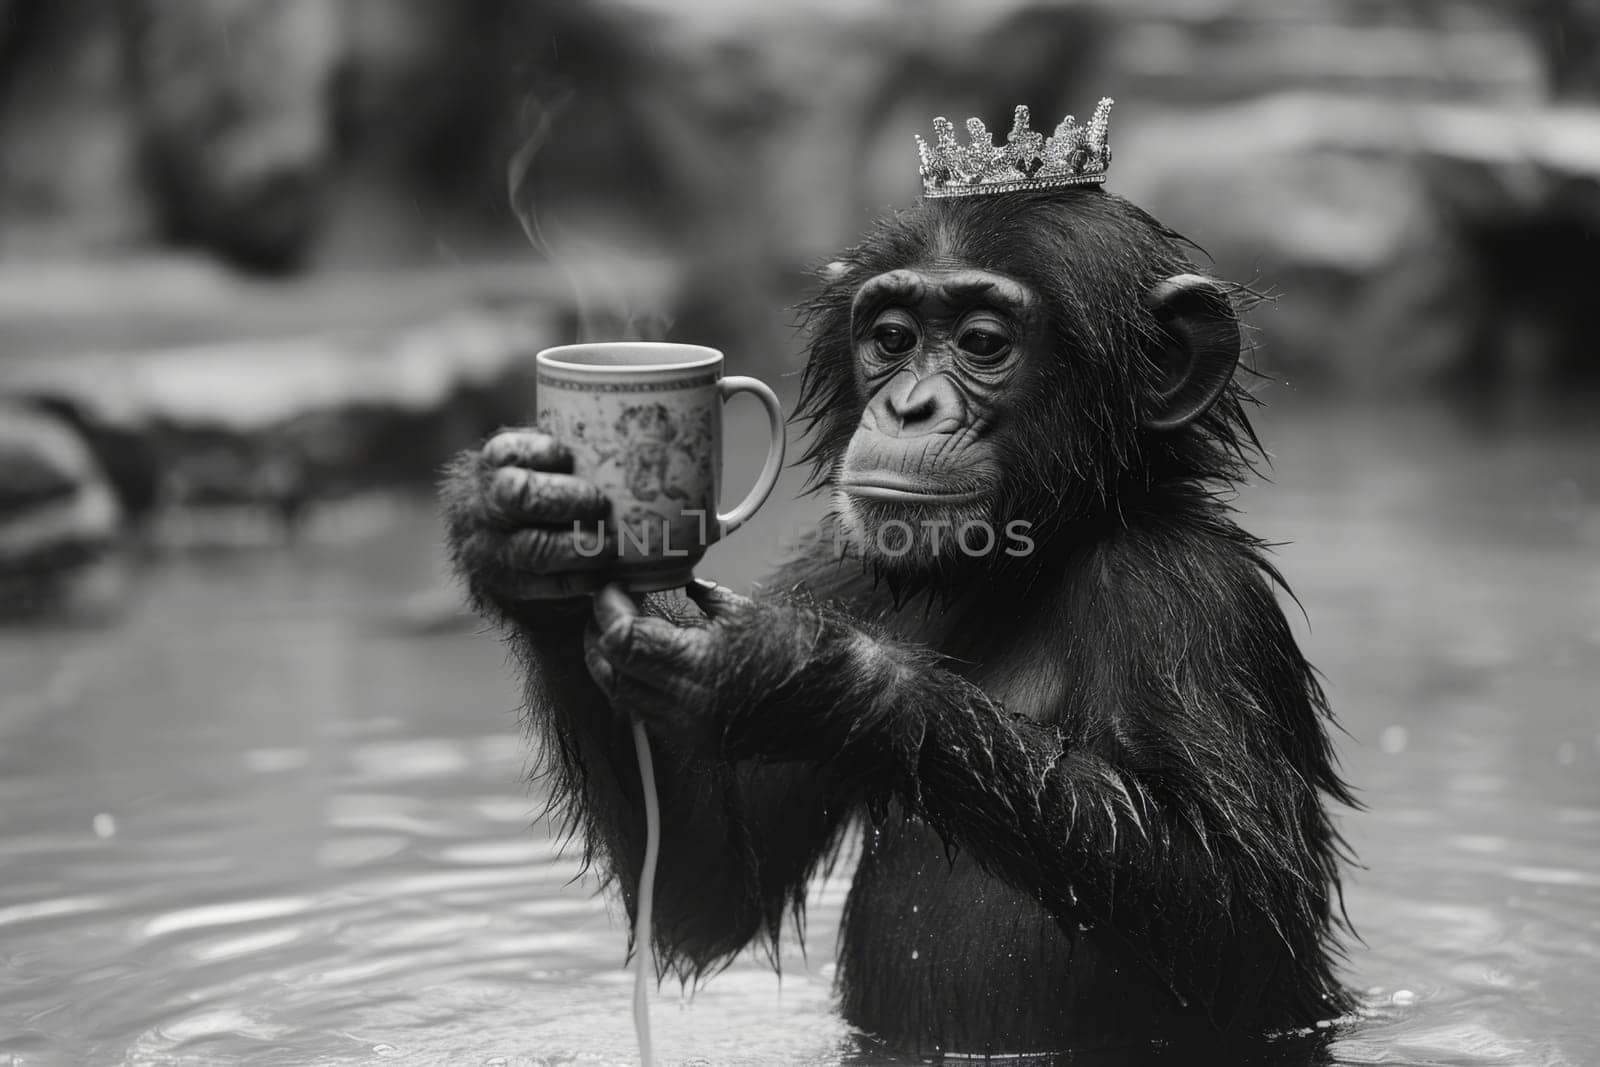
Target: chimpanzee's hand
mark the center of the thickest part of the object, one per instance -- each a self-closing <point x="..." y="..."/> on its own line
<point x="514" y="510"/>
<point x="770" y="679"/>
<point x="679" y="676"/>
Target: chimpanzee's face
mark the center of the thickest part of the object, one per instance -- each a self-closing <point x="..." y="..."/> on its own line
<point x="936" y="352"/>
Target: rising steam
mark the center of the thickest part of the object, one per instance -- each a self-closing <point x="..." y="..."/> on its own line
<point x="610" y="289"/>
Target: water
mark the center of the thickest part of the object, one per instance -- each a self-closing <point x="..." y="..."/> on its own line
<point x="267" y="817"/>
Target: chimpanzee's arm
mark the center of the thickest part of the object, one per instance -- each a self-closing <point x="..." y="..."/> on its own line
<point x="738" y="841"/>
<point x="1174" y="805"/>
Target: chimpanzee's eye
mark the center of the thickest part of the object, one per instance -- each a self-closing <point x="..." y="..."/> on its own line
<point x="893" y="338"/>
<point x="984" y="343"/>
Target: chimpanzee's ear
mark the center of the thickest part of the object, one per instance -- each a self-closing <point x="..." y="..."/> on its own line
<point x="1199" y="351"/>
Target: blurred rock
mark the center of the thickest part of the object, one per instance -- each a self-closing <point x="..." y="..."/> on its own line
<point x="200" y="388"/>
<point x="122" y="453"/>
<point x="1417" y="182"/>
<point x="67" y="179"/>
<point x="282" y="421"/>
<point x="59" y="518"/>
<point x="1568" y="35"/>
<point x="231" y="104"/>
<point x="1402" y="241"/>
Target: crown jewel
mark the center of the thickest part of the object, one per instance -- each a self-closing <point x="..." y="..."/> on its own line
<point x="1073" y="155"/>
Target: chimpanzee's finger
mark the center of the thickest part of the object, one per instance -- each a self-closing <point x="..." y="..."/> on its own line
<point x="527" y="448"/>
<point x="717" y="601"/>
<point x="645" y="647"/>
<point x="613" y="607"/>
<point x="540" y="550"/>
<point x="600" y="669"/>
<point x="626" y="696"/>
<point x="664" y="701"/>
<point x="519" y="496"/>
<point x="551" y="586"/>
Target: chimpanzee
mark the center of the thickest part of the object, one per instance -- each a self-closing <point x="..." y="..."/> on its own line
<point x="1030" y="654"/>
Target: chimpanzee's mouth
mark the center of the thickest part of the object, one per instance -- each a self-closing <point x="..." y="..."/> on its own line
<point x="889" y="487"/>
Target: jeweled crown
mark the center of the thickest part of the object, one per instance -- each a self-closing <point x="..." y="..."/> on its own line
<point x="1073" y="155"/>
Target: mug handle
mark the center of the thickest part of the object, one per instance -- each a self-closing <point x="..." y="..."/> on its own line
<point x="727" y="387"/>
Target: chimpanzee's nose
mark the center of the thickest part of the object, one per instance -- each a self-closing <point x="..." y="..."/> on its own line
<point x="921" y="405"/>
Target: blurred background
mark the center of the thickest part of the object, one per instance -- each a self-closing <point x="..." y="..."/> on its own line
<point x="265" y="265"/>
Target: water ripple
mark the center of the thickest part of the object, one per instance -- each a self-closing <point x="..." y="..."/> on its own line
<point x="228" y="914"/>
<point x="248" y="826"/>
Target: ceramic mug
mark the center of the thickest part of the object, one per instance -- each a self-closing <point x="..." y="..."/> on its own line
<point x="643" y="421"/>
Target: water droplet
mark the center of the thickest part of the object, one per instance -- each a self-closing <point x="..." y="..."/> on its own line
<point x="104" y="826"/>
<point x="1393" y="740"/>
<point x="915" y="908"/>
<point x="915" y="953"/>
<point x="384" y="1050"/>
<point x="1403" y="996"/>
